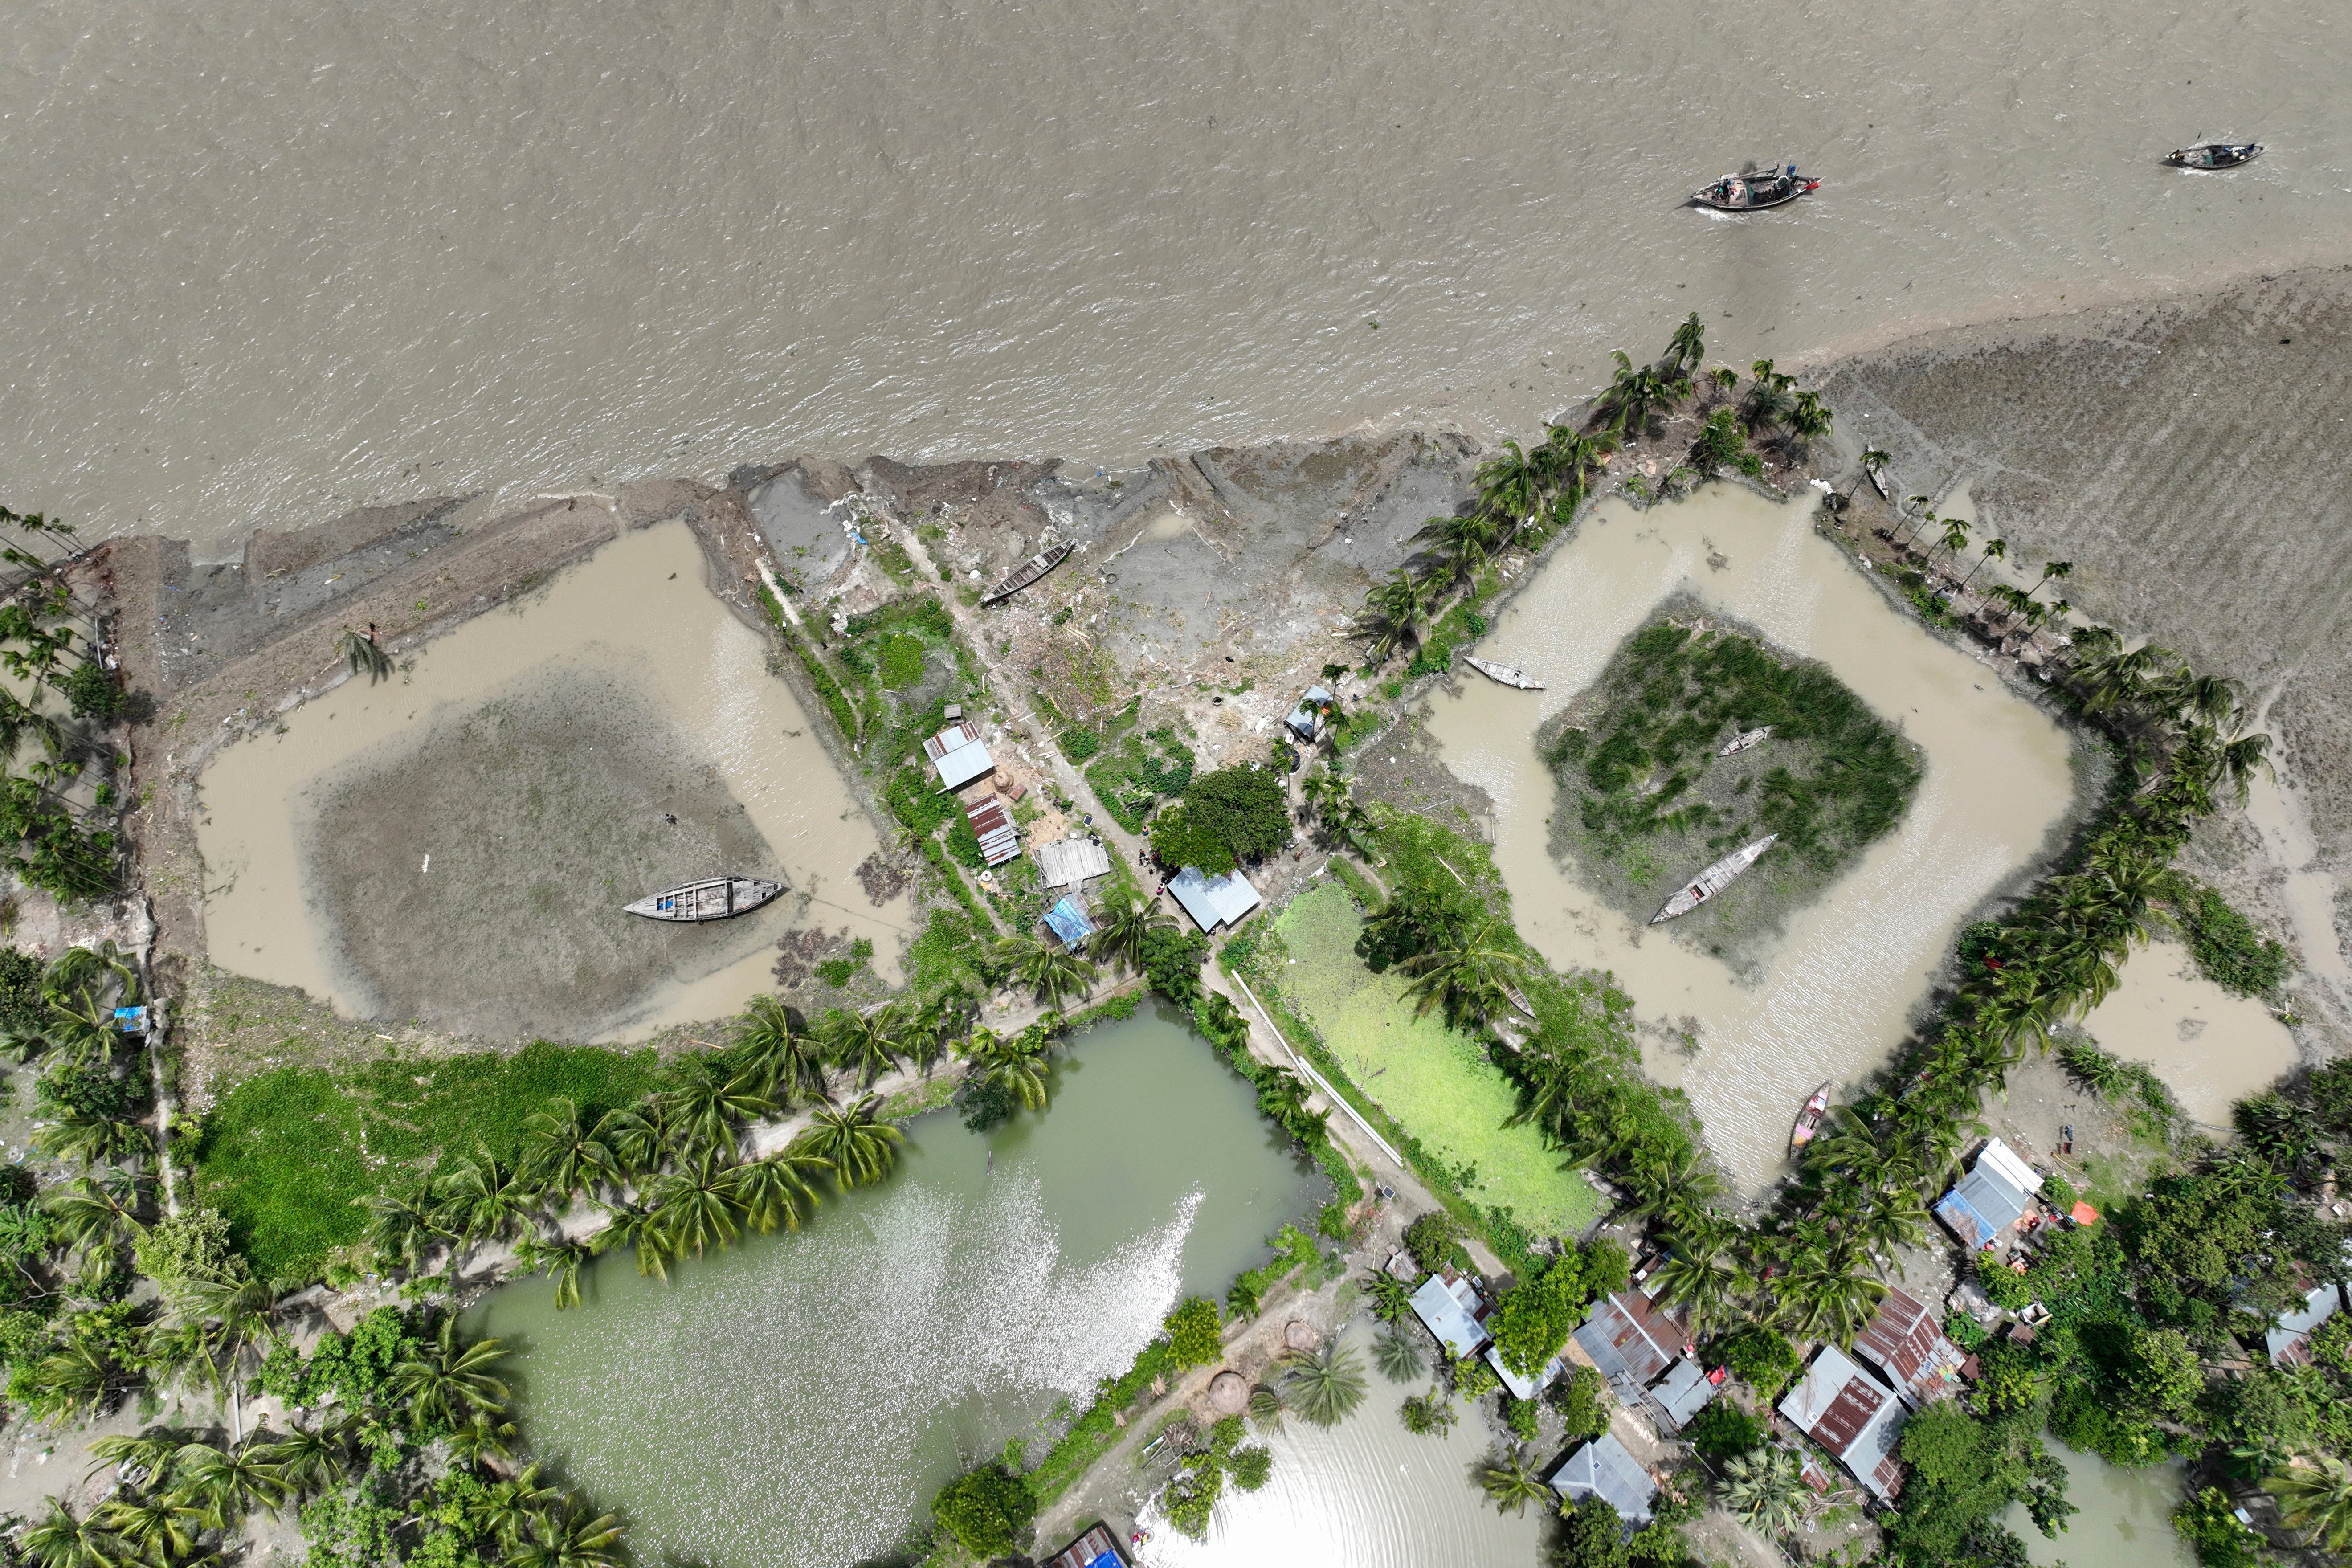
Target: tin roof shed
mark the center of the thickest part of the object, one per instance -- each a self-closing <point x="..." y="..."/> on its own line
<point x="1604" y="1468"/>
<point x="1213" y="901"/>
<point x="1853" y="1416"/>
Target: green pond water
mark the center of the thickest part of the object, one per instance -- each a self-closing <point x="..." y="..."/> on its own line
<point x="2126" y="1518"/>
<point x="797" y="1400"/>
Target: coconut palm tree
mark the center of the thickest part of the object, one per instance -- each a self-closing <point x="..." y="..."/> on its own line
<point x="561" y="1155"/>
<point x="1705" y="1284"/>
<point x="570" y="1536"/>
<point x="1769" y="400"/>
<point x="1828" y="1296"/>
<point x="98" y="1213"/>
<point x="868" y="1043"/>
<point x="1994" y="550"/>
<point x="62" y="1540"/>
<point x="1324" y="1387"/>
<point x="778" y="1191"/>
<point x="93" y="1140"/>
<point x="1050" y="971"/>
<point x="561" y="1260"/>
<point x="640" y="1229"/>
<point x="1510" y="485"/>
<point x="781" y="1060"/>
<point x="1393" y="612"/>
<point x="1809" y="420"/>
<point x="1397" y="1354"/>
<point x="1687" y="346"/>
<point x="712" y="1096"/>
<point x="1016" y="1064"/>
<point x="2242" y="759"/>
<point x="858" y="1148"/>
<point x="2316" y="1498"/>
<point x="1636" y="393"/>
<point x="1121" y="938"/>
<point x="2054" y="571"/>
<point x="484" y="1436"/>
<point x="160" y="1528"/>
<point x="696" y="1204"/>
<point x="401" y="1230"/>
<point x="310" y="1462"/>
<point x="229" y="1483"/>
<point x="361" y="651"/>
<point x="507" y="1513"/>
<point x="1873" y="462"/>
<point x="1266" y="1407"/>
<point x="1391" y="1303"/>
<point x="1473" y="971"/>
<point x="638" y="1137"/>
<point x="447" y="1382"/>
<point x="1956" y="536"/>
<point x="482" y="1199"/>
<point x="1765" y="1487"/>
<point x="1511" y="1480"/>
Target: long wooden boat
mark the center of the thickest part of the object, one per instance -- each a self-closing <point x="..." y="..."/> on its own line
<point x="1754" y="193"/>
<point x="1745" y="738"/>
<point x="2215" y="155"/>
<point x="1809" y="1121"/>
<point x="1714" y="880"/>
<point x="1028" y="572"/>
<point x="1503" y="674"/>
<point x="712" y="898"/>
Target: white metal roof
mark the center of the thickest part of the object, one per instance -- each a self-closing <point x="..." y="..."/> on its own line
<point x="2004" y="1162"/>
<point x="1071" y="861"/>
<point x="1213" y="902"/>
<point x="961" y="757"/>
<point x="1449" y="1311"/>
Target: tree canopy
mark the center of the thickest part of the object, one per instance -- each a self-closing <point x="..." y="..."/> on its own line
<point x="1226" y="817"/>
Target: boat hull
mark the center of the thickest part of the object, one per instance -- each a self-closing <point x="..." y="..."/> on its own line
<point x="2216" y="156"/>
<point x="1809" y="1119"/>
<point x="1504" y="673"/>
<point x="1754" y="193"/>
<point x="1028" y="572"/>
<point x="711" y="899"/>
<point x="1714" y="880"/>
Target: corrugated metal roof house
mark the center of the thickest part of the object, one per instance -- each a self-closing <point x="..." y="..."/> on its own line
<point x="999" y="841"/>
<point x="1071" y="861"/>
<point x="2289" y="1339"/>
<point x="1632" y="1340"/>
<point x="1522" y="1387"/>
<point x="1853" y="1416"/>
<point x="1602" y="1468"/>
<point x="1990" y="1198"/>
<point x="957" y="753"/>
<point x="1213" y="901"/>
<point x="1684" y="1393"/>
<point x="1908" y="1345"/>
<point x="1447" y="1306"/>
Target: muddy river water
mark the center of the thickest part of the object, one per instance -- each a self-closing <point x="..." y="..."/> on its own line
<point x="1831" y="1001"/>
<point x="453" y="844"/>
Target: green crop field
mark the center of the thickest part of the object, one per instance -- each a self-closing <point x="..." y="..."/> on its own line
<point x="1433" y="1082"/>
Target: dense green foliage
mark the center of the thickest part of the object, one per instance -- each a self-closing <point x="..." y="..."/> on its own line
<point x="987" y="1509"/>
<point x="23" y="1011"/>
<point x="1832" y="777"/>
<point x="1723" y="1429"/>
<point x="1135" y="771"/>
<point x="1533" y="1318"/>
<point x="2227" y="949"/>
<point x="1226" y="818"/>
<point x="1962" y="1474"/>
<point x="1196" y="1335"/>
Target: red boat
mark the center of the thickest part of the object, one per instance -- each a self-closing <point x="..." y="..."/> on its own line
<point x="1809" y="1121"/>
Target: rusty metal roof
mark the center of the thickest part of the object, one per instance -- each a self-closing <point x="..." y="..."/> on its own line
<point x="1904" y="1342"/>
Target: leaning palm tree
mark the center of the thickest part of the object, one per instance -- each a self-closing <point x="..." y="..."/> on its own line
<point x="1015" y="1064"/>
<point x="1474" y="972"/>
<point x="697" y="1205"/>
<point x="401" y="1230"/>
<point x="1511" y="1478"/>
<point x="868" y="1044"/>
<point x="570" y="1536"/>
<point x="638" y="1135"/>
<point x="711" y="1096"/>
<point x="1049" y="971"/>
<point x="447" y="1382"/>
<point x="1956" y="536"/>
<point x="1765" y="1487"/>
<point x="1393" y="612"/>
<point x="1688" y="346"/>
<point x="562" y="1260"/>
<point x="89" y="1139"/>
<point x="484" y="1436"/>
<point x="1121" y="938"/>
<point x="1509" y="485"/>
<point x="1870" y="464"/>
<point x="62" y="1540"/>
<point x="1324" y="1387"/>
<point x="2316" y="1498"/>
<point x="2242" y="759"/>
<point x="858" y="1148"/>
<point x="98" y="1212"/>
<point x="483" y="1198"/>
<point x="1397" y="1356"/>
<point x="780" y="1190"/>
<point x="229" y="1483"/>
<point x="1637" y="392"/>
<point x="1994" y="550"/>
<point x="310" y="1462"/>
<point x="782" y="1059"/>
<point x="561" y="1155"/>
<point x="641" y="1230"/>
<point x="364" y="654"/>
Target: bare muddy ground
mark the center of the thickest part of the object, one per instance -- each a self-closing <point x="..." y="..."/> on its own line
<point x="2192" y="458"/>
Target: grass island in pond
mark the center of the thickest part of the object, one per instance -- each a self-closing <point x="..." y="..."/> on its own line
<point x="1646" y="796"/>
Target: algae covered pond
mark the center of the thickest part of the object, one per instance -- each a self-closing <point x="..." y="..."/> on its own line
<point x="453" y="846"/>
<point x="797" y="1400"/>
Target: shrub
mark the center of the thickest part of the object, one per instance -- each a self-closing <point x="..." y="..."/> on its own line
<point x="1584" y="1403"/>
<point x="898" y="660"/>
<point x="1195" y="1337"/>
<point x="988" y="1511"/>
<point x="1226" y="817"/>
<point x="2227" y="949"/>
<point x="1760" y="1358"/>
<point x="2209" y="1523"/>
<point x="1172" y="960"/>
<point x="22" y="1011"/>
<point x="1520" y="1416"/>
<point x="93" y="692"/>
<point x="1249" y="1468"/>
<point x="1723" y="1429"/>
<point x="1430" y="1239"/>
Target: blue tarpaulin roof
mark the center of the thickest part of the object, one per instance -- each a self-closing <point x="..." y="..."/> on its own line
<point x="1069" y="922"/>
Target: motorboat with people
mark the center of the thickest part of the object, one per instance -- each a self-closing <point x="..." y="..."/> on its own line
<point x="1714" y="880"/>
<point x="2215" y="155"/>
<point x="1749" y="191"/>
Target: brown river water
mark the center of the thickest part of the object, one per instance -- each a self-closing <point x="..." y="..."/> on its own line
<point x="268" y="261"/>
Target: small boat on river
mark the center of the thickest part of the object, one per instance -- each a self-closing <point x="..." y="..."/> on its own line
<point x="1745" y="738"/>
<point x="1028" y="572"/>
<point x="712" y="898"/>
<point x="1747" y="193"/>
<point x="1714" y="880"/>
<point x="2215" y="155"/>
<point x="1503" y="674"/>
<point x="1809" y="1121"/>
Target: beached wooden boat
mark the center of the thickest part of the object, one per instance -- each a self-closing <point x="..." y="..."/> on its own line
<point x="2215" y="155"/>
<point x="1028" y="572"/>
<point x="1503" y="674"/>
<point x="712" y="898"/>
<point x="1714" y="880"/>
<point x="1809" y="1121"/>
<point x="1745" y="738"/>
<point x="1753" y="193"/>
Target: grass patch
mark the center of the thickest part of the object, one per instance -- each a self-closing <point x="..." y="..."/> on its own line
<point x="1140" y="771"/>
<point x="2229" y="950"/>
<point x="1436" y="1085"/>
<point x="1646" y="798"/>
<point x="288" y="1155"/>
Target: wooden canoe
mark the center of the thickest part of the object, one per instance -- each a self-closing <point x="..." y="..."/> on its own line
<point x="1714" y="880"/>
<point x="712" y="898"/>
<point x="1746" y="738"/>
<point x="1809" y="1119"/>
<point x="1028" y="572"/>
<point x="1503" y="674"/>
